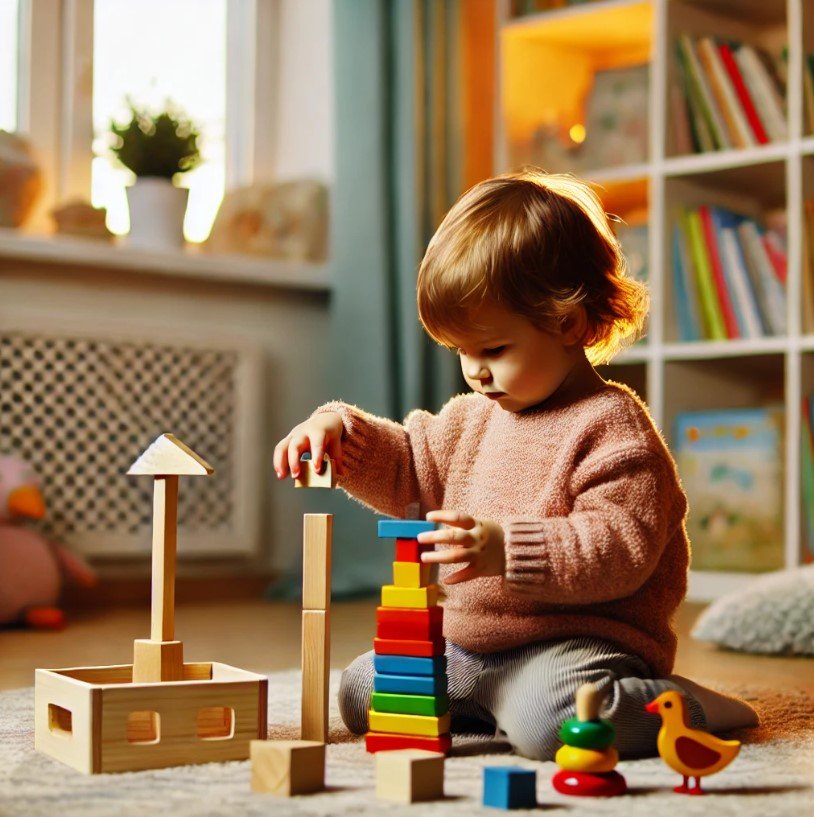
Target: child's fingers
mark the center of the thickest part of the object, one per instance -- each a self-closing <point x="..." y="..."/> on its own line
<point x="296" y="448"/>
<point x="281" y="458"/>
<point x="454" y="518"/>
<point x="334" y="447"/>
<point x="446" y="536"/>
<point x="447" y="557"/>
<point x="317" y="442"/>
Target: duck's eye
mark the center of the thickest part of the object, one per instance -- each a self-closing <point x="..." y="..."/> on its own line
<point x="667" y="705"/>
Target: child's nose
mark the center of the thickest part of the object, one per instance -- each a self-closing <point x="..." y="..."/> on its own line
<point x="479" y="372"/>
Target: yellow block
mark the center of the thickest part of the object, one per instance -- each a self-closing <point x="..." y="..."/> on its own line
<point x="417" y="597"/>
<point x="411" y="574"/>
<point x="408" y="724"/>
<point x="574" y="759"/>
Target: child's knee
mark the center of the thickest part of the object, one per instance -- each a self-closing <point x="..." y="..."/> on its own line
<point x="354" y="693"/>
<point x="534" y="731"/>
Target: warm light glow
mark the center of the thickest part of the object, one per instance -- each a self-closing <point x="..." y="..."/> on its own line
<point x="153" y="51"/>
<point x="8" y="64"/>
<point x="577" y="134"/>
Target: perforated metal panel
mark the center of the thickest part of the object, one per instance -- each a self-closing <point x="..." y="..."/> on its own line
<point x="81" y="410"/>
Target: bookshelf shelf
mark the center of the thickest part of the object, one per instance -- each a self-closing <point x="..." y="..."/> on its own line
<point x="768" y="182"/>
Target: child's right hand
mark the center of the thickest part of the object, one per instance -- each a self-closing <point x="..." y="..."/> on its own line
<point x="320" y="434"/>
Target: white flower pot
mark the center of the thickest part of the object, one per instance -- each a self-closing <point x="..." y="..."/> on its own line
<point x="157" y="209"/>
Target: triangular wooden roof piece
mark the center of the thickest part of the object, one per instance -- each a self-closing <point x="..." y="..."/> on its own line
<point x="168" y="456"/>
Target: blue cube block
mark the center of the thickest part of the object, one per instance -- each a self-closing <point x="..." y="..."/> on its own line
<point x="509" y="787"/>
<point x="409" y="665"/>
<point x="410" y="684"/>
<point x="403" y="528"/>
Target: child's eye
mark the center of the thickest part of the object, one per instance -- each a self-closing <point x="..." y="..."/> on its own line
<point x="494" y="351"/>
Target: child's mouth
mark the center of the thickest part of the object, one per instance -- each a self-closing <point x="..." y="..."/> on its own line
<point x="494" y="395"/>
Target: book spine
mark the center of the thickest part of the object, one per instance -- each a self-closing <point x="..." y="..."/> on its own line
<point x="772" y="292"/>
<point x="807" y="468"/>
<point x="718" y="274"/>
<point x="777" y="255"/>
<point x="808" y="92"/>
<point x="741" y="285"/>
<point x="765" y="95"/>
<point x="694" y="325"/>
<point x="706" y="286"/>
<point x="761" y="137"/>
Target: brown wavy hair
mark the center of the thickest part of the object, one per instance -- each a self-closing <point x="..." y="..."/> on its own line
<point x="540" y="245"/>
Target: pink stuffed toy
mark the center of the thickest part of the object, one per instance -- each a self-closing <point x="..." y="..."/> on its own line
<point x="31" y="566"/>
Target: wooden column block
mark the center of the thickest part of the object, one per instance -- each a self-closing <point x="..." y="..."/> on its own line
<point x="287" y="767"/>
<point x="409" y="775"/>
<point x="309" y="478"/>
<point x="410" y="597"/>
<point x="317" y="534"/>
<point x="411" y="574"/>
<point x="316" y="662"/>
<point x="155" y="661"/>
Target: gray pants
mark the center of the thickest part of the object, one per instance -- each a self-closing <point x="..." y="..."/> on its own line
<point x="529" y="691"/>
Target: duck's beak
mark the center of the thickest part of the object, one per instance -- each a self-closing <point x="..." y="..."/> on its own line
<point x="652" y="708"/>
<point x="26" y="501"/>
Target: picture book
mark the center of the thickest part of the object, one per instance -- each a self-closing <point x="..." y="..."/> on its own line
<point x="731" y="466"/>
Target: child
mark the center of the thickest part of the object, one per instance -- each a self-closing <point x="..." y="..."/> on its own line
<point x="555" y="490"/>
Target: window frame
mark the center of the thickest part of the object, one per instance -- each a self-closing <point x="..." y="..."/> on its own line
<point x="55" y="94"/>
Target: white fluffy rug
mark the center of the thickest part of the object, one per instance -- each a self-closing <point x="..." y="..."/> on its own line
<point x="773" y="775"/>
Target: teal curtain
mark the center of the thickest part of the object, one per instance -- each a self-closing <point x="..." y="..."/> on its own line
<point x="398" y="154"/>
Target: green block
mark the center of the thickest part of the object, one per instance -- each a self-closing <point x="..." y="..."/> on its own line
<point x="434" y="705"/>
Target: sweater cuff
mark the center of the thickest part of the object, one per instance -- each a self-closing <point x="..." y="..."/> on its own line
<point x="357" y="434"/>
<point x="527" y="561"/>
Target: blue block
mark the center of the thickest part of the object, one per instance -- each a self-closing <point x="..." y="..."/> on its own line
<point x="403" y="528"/>
<point x="410" y="684"/>
<point x="407" y="665"/>
<point x="509" y="787"/>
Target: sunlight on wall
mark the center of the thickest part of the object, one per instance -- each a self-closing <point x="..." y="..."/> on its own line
<point x="8" y="64"/>
<point x="152" y="51"/>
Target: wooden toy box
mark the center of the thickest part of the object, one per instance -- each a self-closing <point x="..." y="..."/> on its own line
<point x="96" y="719"/>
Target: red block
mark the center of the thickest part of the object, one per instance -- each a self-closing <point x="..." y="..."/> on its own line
<point x="381" y="742"/>
<point x="398" y="646"/>
<point x="589" y="784"/>
<point x="424" y="624"/>
<point x="409" y="550"/>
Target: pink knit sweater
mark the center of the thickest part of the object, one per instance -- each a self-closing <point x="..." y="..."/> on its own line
<point x="588" y="497"/>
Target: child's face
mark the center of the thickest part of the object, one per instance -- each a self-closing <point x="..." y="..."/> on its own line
<point x="511" y="361"/>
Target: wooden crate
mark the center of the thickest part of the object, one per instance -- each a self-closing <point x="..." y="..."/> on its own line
<point x="96" y="719"/>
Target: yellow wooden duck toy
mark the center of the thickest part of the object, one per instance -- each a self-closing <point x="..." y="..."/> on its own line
<point x="691" y="752"/>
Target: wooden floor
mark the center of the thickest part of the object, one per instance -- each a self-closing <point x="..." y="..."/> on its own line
<point x="265" y="636"/>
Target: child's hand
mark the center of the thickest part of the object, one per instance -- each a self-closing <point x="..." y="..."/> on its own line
<point x="477" y="541"/>
<point x="320" y="434"/>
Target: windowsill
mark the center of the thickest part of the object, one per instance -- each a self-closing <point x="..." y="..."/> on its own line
<point x="190" y="262"/>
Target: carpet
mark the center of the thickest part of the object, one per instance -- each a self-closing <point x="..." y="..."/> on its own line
<point x="773" y="775"/>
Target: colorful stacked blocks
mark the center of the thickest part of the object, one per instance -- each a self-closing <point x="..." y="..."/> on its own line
<point x="588" y="760"/>
<point x="509" y="787"/>
<point x="409" y="706"/>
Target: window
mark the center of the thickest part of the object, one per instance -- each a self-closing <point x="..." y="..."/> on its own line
<point x="152" y="51"/>
<point x="9" y="29"/>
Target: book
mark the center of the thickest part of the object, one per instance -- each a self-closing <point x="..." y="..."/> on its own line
<point x="719" y="277"/>
<point x="708" y="298"/>
<point x="808" y="92"/>
<point x="750" y="320"/>
<point x="772" y="293"/>
<point x="761" y="137"/>
<point x="731" y="467"/>
<point x="690" y="326"/>
<point x="807" y="478"/>
<point x="808" y="267"/>
<point x="776" y="251"/>
<point x="763" y="91"/>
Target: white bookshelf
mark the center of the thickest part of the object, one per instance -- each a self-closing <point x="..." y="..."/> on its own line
<point x="538" y="55"/>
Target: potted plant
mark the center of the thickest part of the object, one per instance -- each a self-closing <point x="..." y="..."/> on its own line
<point x="156" y="148"/>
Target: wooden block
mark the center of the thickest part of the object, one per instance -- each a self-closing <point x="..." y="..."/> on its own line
<point x="316" y="662"/>
<point x="426" y="649"/>
<point x="409" y="775"/>
<point x="411" y="597"/>
<point x="309" y="478"/>
<point x="509" y="787"/>
<point x="410" y="684"/>
<point x="408" y="724"/>
<point x="155" y="661"/>
<point x="409" y="665"/>
<point x="409" y="550"/>
<point x="411" y="574"/>
<point x="317" y="535"/>
<point x="411" y="624"/>
<point x="431" y="705"/>
<point x="382" y="742"/>
<point x="403" y="528"/>
<point x="287" y="767"/>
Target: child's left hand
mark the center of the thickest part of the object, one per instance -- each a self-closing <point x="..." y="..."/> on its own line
<point x="477" y="541"/>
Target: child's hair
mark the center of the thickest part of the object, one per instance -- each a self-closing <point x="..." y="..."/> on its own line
<point x="539" y="245"/>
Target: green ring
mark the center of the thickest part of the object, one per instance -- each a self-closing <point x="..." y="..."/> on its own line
<point x="587" y="734"/>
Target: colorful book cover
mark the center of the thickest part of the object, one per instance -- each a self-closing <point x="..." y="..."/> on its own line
<point x="742" y="91"/>
<point x="684" y="291"/>
<point x="773" y="296"/>
<point x="719" y="274"/>
<point x="713" y="319"/>
<point x="731" y="466"/>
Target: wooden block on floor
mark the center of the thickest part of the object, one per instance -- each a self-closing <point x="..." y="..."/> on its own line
<point x="309" y="478"/>
<point x="433" y="705"/>
<point x="411" y="574"/>
<point x="403" y="528"/>
<point x="420" y="649"/>
<point x="408" y="724"/>
<point x="155" y="661"/>
<point x="409" y="775"/>
<point x="317" y="535"/>
<point x="316" y="662"/>
<point x="383" y="742"/>
<point x="509" y="787"/>
<point x="287" y="767"/>
<point x="415" y="625"/>
<point x="419" y="598"/>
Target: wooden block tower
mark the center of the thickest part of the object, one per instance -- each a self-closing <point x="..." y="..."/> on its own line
<point x="409" y="706"/>
<point x="159" y="711"/>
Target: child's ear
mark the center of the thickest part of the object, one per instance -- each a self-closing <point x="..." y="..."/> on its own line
<point x="574" y="326"/>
